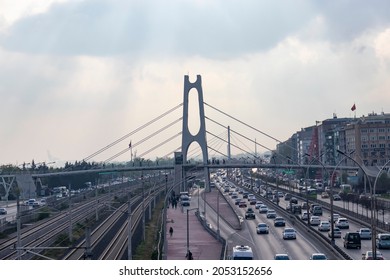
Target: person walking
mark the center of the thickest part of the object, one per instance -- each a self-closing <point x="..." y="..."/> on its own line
<point x="170" y="231"/>
<point x="189" y="255"/>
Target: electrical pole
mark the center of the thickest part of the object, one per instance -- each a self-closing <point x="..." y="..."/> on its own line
<point x="70" y="214"/>
<point x="129" y="234"/>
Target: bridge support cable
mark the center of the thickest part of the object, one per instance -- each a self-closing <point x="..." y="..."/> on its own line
<point x="231" y="144"/>
<point x="242" y="143"/>
<point x="215" y="140"/>
<point x="171" y="153"/>
<point x="241" y="122"/>
<point x="251" y="127"/>
<point x="131" y="133"/>
<point x="143" y="140"/>
<point x="218" y="148"/>
<point x="247" y="138"/>
<point x="222" y="154"/>
<point x="161" y="144"/>
<point x="196" y="152"/>
<point x="243" y="136"/>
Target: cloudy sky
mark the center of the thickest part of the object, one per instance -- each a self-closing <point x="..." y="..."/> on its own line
<point x="76" y="75"/>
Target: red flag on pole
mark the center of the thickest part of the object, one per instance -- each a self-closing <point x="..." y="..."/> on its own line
<point x="353" y="108"/>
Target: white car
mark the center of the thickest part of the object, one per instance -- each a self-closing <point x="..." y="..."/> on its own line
<point x="324" y="226"/>
<point x="258" y="204"/>
<point x="369" y="256"/>
<point x="335" y="217"/>
<point x="262" y="228"/>
<point x="289" y="233"/>
<point x="342" y="223"/>
<point x="318" y="256"/>
<point x="263" y="209"/>
<point x="315" y="220"/>
<point x="365" y="233"/>
<point x="336" y="233"/>
<point x="281" y="257"/>
<point x="271" y="214"/>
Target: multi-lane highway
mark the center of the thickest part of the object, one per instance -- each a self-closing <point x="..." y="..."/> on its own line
<point x="305" y="244"/>
<point x="265" y="246"/>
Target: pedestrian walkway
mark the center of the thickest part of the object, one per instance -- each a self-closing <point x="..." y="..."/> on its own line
<point x="202" y="244"/>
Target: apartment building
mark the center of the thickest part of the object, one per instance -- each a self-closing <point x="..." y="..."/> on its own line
<point x="369" y="137"/>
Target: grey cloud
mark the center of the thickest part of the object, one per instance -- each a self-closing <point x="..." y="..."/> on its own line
<point x="214" y="29"/>
<point x="347" y="19"/>
<point x="154" y="27"/>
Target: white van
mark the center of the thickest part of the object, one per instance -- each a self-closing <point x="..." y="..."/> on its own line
<point x="242" y="252"/>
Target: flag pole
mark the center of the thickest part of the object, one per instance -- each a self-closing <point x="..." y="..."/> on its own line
<point x="131" y="152"/>
<point x="353" y="108"/>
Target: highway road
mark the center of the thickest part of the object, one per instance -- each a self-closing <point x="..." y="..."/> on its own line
<point x="355" y="254"/>
<point x="264" y="246"/>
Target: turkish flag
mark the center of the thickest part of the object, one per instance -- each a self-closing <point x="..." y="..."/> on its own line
<point x="353" y="108"/>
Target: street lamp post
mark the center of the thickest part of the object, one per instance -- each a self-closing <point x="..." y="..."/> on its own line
<point x="307" y="195"/>
<point x="129" y="233"/>
<point x="373" y="198"/>
<point x="218" y="232"/>
<point x="331" y="199"/>
<point x="307" y="192"/>
<point x="143" y="208"/>
<point x="307" y="198"/>
<point x="372" y="191"/>
<point x="277" y="183"/>
<point x="188" y="230"/>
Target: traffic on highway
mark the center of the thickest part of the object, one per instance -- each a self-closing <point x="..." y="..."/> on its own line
<point x="277" y="220"/>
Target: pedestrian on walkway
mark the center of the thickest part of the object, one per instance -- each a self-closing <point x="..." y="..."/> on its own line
<point x="170" y="231"/>
<point x="173" y="202"/>
<point x="189" y="255"/>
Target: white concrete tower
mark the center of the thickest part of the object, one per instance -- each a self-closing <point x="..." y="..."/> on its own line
<point x="200" y="137"/>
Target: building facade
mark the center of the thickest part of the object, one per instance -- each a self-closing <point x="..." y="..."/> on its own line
<point x="367" y="139"/>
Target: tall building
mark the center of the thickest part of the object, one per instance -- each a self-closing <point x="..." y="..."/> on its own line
<point x="369" y="137"/>
<point x="330" y="138"/>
